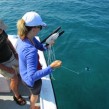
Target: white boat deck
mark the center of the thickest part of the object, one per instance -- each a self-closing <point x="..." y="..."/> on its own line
<point x="47" y="99"/>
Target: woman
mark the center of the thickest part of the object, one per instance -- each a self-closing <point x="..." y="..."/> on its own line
<point x="28" y="46"/>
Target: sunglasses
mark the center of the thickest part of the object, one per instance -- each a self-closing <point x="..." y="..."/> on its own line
<point x="40" y="27"/>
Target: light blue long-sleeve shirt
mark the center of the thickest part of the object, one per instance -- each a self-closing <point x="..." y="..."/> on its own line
<point x="28" y="61"/>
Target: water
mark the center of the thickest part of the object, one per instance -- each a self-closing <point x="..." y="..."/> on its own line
<point x="85" y="44"/>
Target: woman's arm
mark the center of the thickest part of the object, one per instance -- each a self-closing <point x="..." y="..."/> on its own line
<point x="32" y="63"/>
<point x="39" y="46"/>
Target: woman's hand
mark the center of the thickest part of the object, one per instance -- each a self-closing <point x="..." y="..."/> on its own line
<point x="51" y="43"/>
<point x="56" y="64"/>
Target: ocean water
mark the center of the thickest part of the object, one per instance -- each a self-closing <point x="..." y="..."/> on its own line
<point x="83" y="80"/>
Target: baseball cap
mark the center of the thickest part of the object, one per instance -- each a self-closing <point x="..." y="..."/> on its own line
<point x="2" y="25"/>
<point x="33" y="19"/>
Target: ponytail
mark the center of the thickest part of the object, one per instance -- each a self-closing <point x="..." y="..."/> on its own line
<point x="22" y="30"/>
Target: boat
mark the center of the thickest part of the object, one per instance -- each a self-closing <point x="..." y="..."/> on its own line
<point x="47" y="98"/>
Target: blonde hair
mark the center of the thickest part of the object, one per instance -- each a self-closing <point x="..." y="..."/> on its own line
<point x="22" y="30"/>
